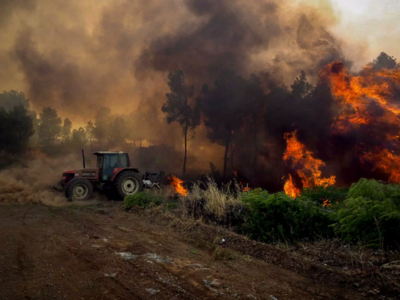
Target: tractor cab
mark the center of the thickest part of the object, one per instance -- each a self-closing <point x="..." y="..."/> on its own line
<point x="109" y="163"/>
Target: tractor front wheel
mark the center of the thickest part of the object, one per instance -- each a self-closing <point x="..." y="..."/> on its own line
<point x="128" y="183"/>
<point x="79" y="189"/>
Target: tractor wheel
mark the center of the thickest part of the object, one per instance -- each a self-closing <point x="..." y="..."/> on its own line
<point x="128" y="183"/>
<point x="79" y="189"/>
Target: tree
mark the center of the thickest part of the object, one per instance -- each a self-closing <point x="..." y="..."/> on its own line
<point x="49" y="127"/>
<point x="15" y="129"/>
<point x="384" y="61"/>
<point x="102" y="124"/>
<point x="178" y="107"/>
<point x="223" y="107"/>
<point x="301" y="88"/>
<point x="256" y="111"/>
<point x="79" y="138"/>
<point x="66" y="131"/>
<point x="118" y="130"/>
<point x="89" y="128"/>
<point x="9" y="99"/>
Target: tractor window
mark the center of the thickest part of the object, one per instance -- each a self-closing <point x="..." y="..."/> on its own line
<point x="122" y="161"/>
<point x="99" y="163"/>
<point x="116" y="161"/>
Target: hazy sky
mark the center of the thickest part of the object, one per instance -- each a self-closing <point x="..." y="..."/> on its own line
<point x="368" y="27"/>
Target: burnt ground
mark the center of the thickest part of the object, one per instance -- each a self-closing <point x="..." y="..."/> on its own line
<point x="103" y="252"/>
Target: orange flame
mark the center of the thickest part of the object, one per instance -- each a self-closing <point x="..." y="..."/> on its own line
<point x="307" y="167"/>
<point x="290" y="188"/>
<point x="354" y="94"/>
<point x="177" y="184"/>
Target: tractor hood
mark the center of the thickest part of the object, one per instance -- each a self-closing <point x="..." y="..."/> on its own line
<point x="89" y="173"/>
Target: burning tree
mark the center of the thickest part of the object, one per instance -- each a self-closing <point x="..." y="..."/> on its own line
<point x="179" y="109"/>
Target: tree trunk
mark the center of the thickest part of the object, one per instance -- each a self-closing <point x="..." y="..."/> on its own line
<point x="185" y="156"/>
<point x="227" y="143"/>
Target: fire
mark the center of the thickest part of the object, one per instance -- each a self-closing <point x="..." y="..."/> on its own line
<point x="307" y="168"/>
<point x="177" y="184"/>
<point x="356" y="93"/>
<point x="369" y="99"/>
<point x="387" y="162"/>
<point x="290" y="188"/>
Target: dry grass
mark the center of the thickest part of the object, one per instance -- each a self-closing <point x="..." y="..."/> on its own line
<point x="216" y="200"/>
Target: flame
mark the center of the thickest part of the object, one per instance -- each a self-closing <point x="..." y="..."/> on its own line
<point x="327" y="203"/>
<point x="355" y="94"/>
<point x="290" y="188"/>
<point x="307" y="168"/>
<point x="246" y="189"/>
<point x="177" y="184"/>
<point x="387" y="162"/>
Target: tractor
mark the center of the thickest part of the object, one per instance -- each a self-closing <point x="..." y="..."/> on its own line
<point x="113" y="174"/>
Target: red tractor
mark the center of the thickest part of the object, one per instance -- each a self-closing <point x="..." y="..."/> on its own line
<point x="113" y="173"/>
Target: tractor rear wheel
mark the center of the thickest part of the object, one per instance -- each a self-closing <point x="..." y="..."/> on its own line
<point x="79" y="189"/>
<point x="128" y="183"/>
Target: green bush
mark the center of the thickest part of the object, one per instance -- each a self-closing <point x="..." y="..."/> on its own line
<point x="319" y="194"/>
<point x="142" y="199"/>
<point x="278" y="217"/>
<point x="371" y="214"/>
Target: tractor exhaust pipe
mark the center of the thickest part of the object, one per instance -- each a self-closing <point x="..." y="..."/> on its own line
<point x="83" y="159"/>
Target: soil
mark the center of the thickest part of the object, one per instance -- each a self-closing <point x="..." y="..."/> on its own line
<point x="103" y="252"/>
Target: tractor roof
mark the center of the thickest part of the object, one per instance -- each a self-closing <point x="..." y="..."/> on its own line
<point x="108" y="152"/>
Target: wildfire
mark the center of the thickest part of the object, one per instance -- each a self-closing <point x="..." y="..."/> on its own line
<point x="177" y="184"/>
<point x="369" y="99"/>
<point x="307" y="168"/>
<point x="356" y="93"/>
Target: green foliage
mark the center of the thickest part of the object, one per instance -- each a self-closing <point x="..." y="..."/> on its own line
<point x="319" y="194"/>
<point x="278" y="217"/>
<point x="142" y="199"/>
<point x="371" y="214"/>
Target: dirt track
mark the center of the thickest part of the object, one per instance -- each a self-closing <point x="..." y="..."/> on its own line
<point x="75" y="253"/>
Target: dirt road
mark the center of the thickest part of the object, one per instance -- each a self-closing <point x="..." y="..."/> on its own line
<point x="102" y="252"/>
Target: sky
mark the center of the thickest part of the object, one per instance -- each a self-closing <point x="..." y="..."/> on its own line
<point x="368" y="27"/>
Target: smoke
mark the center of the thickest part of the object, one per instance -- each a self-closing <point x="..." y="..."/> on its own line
<point x="32" y="183"/>
<point x="78" y="56"/>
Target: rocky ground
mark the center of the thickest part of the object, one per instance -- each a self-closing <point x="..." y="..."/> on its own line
<point x="103" y="252"/>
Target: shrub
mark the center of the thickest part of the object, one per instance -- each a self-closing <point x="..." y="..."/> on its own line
<point x="278" y="217"/>
<point x="320" y="194"/>
<point x="371" y="214"/>
<point x="142" y="199"/>
<point x="214" y="204"/>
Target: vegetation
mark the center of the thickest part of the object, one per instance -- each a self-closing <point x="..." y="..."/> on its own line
<point x="278" y="217"/>
<point x="179" y="109"/>
<point x="142" y="199"/>
<point x="371" y="215"/>
<point x="367" y="214"/>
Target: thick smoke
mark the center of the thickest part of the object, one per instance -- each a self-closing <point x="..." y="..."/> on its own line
<point x="80" y="56"/>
